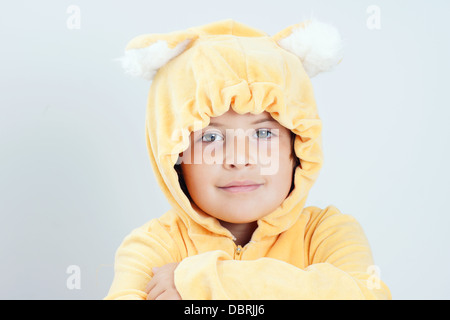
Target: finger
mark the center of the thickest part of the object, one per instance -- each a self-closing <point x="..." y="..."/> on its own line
<point x="154" y="287"/>
<point x="156" y="292"/>
<point x="169" y="295"/>
<point x="150" y="285"/>
<point x="153" y="281"/>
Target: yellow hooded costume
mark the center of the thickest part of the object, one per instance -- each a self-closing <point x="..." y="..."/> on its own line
<point x="296" y="252"/>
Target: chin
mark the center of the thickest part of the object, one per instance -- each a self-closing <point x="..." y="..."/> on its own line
<point x="240" y="216"/>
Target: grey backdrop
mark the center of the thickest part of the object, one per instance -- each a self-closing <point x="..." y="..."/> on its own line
<point x="75" y="177"/>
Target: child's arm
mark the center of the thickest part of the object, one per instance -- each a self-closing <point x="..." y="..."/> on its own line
<point x="143" y="249"/>
<point x="341" y="268"/>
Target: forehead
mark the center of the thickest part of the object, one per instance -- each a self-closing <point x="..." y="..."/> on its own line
<point x="233" y="119"/>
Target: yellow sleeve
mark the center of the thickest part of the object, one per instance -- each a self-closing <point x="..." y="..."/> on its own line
<point x="144" y="248"/>
<point x="341" y="268"/>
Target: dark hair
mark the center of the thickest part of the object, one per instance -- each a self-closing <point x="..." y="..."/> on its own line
<point x="181" y="181"/>
<point x="293" y="156"/>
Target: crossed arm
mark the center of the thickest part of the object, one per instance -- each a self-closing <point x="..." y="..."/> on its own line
<point x="339" y="270"/>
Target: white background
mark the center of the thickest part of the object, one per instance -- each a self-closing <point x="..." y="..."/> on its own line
<point x="75" y="177"/>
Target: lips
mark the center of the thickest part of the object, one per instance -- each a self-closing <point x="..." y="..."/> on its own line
<point x="241" y="186"/>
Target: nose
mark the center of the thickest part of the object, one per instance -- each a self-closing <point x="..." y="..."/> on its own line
<point x="238" y="153"/>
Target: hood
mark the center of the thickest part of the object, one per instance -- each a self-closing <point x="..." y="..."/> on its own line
<point x="203" y="71"/>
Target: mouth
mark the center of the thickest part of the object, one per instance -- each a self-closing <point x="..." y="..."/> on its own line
<point x="239" y="187"/>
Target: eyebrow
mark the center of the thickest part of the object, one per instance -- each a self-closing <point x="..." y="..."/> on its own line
<point x="217" y="124"/>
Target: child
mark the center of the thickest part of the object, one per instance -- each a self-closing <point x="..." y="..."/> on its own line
<point x="234" y="139"/>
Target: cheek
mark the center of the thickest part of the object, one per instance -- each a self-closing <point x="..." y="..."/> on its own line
<point x="284" y="162"/>
<point x="287" y="153"/>
<point x="197" y="177"/>
<point x="277" y="154"/>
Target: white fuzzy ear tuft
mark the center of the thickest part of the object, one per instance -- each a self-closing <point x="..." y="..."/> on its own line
<point x="145" y="62"/>
<point x="317" y="44"/>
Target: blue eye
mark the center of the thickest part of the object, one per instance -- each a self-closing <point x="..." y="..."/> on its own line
<point x="263" y="133"/>
<point x="211" y="137"/>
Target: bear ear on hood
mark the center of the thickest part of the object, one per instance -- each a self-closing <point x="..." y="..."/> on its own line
<point x="318" y="45"/>
<point x="146" y="54"/>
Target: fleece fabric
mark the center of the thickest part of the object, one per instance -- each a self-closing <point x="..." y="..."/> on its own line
<point x="296" y="252"/>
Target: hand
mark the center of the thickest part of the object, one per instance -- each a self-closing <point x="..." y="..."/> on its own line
<point x="162" y="285"/>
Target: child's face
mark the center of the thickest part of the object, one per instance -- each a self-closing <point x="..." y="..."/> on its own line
<point x="251" y="149"/>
